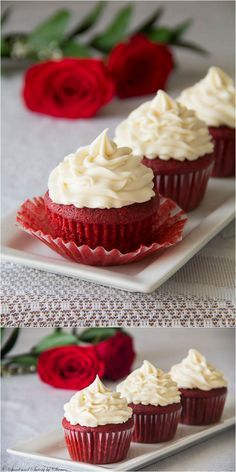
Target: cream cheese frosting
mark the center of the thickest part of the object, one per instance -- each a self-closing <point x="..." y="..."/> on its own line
<point x="96" y="405"/>
<point x="195" y="372"/>
<point x="166" y="129"/>
<point x="101" y="175"/>
<point x="213" y="98"/>
<point x="149" y="386"/>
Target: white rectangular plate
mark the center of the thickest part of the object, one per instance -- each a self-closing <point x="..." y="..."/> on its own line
<point x="50" y="448"/>
<point x="214" y="213"/>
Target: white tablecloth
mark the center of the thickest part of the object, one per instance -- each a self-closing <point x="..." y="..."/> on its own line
<point x="201" y="293"/>
<point x="30" y="408"/>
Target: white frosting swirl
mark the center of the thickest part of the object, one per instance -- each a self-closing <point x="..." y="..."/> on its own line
<point x="149" y="386"/>
<point x="101" y="176"/>
<point x="96" y="405"/>
<point x="164" y="128"/>
<point x="195" y="372"/>
<point x="213" y="98"/>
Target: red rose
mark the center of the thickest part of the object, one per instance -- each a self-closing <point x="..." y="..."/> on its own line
<point x="70" y="367"/>
<point x="68" y="88"/>
<point x="118" y="355"/>
<point x="140" y="66"/>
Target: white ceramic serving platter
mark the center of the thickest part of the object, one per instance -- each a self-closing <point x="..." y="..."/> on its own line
<point x="214" y="213"/>
<point x="50" y="448"/>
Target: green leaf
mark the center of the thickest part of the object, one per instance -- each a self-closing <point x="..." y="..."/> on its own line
<point x="74" y="49"/>
<point x="10" y="342"/>
<point x="9" y="40"/>
<point x="5" y="48"/>
<point x="192" y="46"/>
<point x="146" y="26"/>
<point x="179" y="30"/>
<point x="23" y="359"/>
<point x="51" y="30"/>
<point x="95" y="335"/>
<point x="55" y="339"/>
<point x="89" y="20"/>
<point x="2" y="330"/>
<point x="160" y="35"/>
<point x="115" y="32"/>
<point x="5" y="15"/>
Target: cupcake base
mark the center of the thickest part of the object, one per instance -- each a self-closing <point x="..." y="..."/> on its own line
<point x="155" y="424"/>
<point x="201" y="407"/>
<point x="123" y="228"/>
<point x="224" y="151"/>
<point x="184" y="182"/>
<point x="101" y="445"/>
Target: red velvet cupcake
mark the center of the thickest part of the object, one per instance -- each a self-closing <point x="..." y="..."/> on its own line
<point x="102" y="196"/>
<point x="155" y="400"/>
<point x="213" y="99"/>
<point x="175" y="144"/>
<point x="98" y="425"/>
<point x="203" y="390"/>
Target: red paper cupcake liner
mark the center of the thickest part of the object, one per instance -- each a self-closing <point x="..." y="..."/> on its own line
<point x="156" y="427"/>
<point x="99" y="447"/>
<point x="224" y="152"/>
<point x="167" y="230"/>
<point x="188" y="189"/>
<point x="202" y="408"/>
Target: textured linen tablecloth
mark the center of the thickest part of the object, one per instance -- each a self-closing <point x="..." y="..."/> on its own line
<point x="31" y="408"/>
<point x="201" y="293"/>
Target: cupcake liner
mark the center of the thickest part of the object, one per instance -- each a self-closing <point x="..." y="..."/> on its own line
<point x="98" y="447"/>
<point x="202" y="410"/>
<point x="188" y="189"/>
<point x="167" y="230"/>
<point x="157" y="427"/>
<point x="224" y="153"/>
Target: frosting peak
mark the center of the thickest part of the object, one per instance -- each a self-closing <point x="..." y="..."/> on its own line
<point x="149" y="386"/>
<point x="195" y="372"/>
<point x="96" y="405"/>
<point x="102" y="146"/>
<point x="148" y="369"/>
<point x="97" y="386"/>
<point x="101" y="175"/>
<point x="213" y="98"/>
<point x="162" y="103"/>
<point x="217" y="78"/>
<point x="166" y="129"/>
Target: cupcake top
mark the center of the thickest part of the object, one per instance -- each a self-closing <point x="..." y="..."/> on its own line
<point x="101" y="175"/>
<point x="149" y="386"/>
<point x="195" y="372"/>
<point x="96" y="405"/>
<point x="166" y="129"/>
<point x="213" y="98"/>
